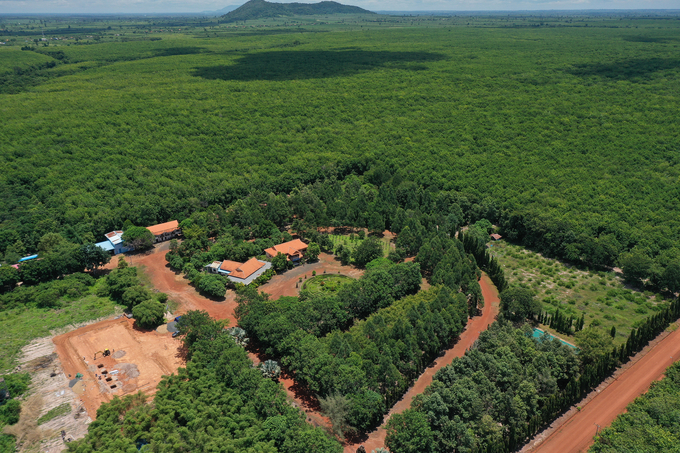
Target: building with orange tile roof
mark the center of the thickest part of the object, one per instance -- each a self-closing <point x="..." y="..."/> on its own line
<point x="294" y="250"/>
<point x="239" y="272"/>
<point x="165" y="231"/>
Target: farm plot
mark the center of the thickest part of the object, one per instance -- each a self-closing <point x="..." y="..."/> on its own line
<point x="602" y="296"/>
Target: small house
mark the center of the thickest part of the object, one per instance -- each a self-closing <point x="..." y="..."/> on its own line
<point x="496" y="237"/>
<point x="294" y="250"/>
<point x="165" y="231"/>
<point x="237" y="272"/>
<point x="114" y="243"/>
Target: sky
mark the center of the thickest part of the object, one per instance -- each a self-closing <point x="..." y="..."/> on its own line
<point x="179" y="6"/>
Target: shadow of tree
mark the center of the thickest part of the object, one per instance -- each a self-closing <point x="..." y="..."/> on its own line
<point x="648" y="39"/>
<point x="171" y="51"/>
<point x="291" y="65"/>
<point x="287" y="31"/>
<point x="633" y="70"/>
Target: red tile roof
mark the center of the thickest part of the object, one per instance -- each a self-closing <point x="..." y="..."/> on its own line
<point x="496" y="236"/>
<point x="229" y="266"/>
<point x="239" y="270"/>
<point x="290" y="248"/>
<point x="166" y="227"/>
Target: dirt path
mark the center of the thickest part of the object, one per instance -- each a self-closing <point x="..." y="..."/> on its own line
<point x="176" y="286"/>
<point x="575" y="432"/>
<point x="474" y="327"/>
<point x="284" y="284"/>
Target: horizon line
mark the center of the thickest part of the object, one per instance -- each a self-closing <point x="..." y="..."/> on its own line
<point x="385" y="11"/>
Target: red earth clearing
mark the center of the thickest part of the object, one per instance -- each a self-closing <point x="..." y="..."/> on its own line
<point x="139" y="358"/>
<point x="576" y="434"/>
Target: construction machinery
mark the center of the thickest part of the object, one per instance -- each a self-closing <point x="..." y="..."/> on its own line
<point x="104" y="353"/>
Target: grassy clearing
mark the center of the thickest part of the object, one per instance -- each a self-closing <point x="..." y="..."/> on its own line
<point x="353" y="241"/>
<point x="21" y="325"/>
<point x="326" y="282"/>
<point x="53" y="413"/>
<point x="602" y="296"/>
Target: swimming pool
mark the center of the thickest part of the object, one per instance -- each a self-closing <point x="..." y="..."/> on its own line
<point x="538" y="333"/>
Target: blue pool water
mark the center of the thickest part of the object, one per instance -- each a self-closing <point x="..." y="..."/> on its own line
<point x="538" y="333"/>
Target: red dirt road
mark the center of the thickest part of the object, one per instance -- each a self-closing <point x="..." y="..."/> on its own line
<point x="474" y="327"/>
<point x="576" y="434"/>
<point x="176" y="286"/>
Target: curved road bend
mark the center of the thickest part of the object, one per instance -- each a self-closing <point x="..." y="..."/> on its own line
<point x="474" y="327"/>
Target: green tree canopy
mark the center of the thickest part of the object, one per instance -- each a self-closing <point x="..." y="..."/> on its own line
<point x="313" y="251"/>
<point x="593" y="343"/>
<point x="368" y="250"/>
<point x="280" y="262"/>
<point x="149" y="313"/>
<point x="212" y="285"/>
<point x="519" y="304"/>
<point x="135" y="295"/>
<point x="138" y="237"/>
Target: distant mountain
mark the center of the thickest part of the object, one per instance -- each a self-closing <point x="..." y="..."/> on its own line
<point x="259" y="9"/>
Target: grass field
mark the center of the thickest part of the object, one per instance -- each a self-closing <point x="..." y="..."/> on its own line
<point x="326" y="282"/>
<point x="21" y="325"/>
<point x="353" y="242"/>
<point x="602" y="296"/>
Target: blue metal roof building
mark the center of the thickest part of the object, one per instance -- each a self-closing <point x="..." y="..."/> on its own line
<point x="26" y="258"/>
<point x="106" y="245"/>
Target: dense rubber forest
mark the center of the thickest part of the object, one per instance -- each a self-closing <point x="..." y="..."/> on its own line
<point x="562" y="134"/>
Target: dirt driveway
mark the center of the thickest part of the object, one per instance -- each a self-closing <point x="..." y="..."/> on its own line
<point x="284" y="284"/>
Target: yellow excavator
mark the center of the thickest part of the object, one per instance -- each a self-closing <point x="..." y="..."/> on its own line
<point x="104" y="353"/>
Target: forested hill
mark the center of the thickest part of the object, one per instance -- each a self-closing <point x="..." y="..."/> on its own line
<point x="260" y="9"/>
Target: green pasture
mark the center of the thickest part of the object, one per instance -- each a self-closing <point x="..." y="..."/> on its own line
<point x="602" y="296"/>
<point x="326" y="283"/>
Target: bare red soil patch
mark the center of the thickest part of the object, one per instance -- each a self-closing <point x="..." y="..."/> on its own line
<point x="139" y="360"/>
<point x="575" y="433"/>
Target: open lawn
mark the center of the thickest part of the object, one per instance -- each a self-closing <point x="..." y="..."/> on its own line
<point x="326" y="282"/>
<point x="602" y="296"/>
